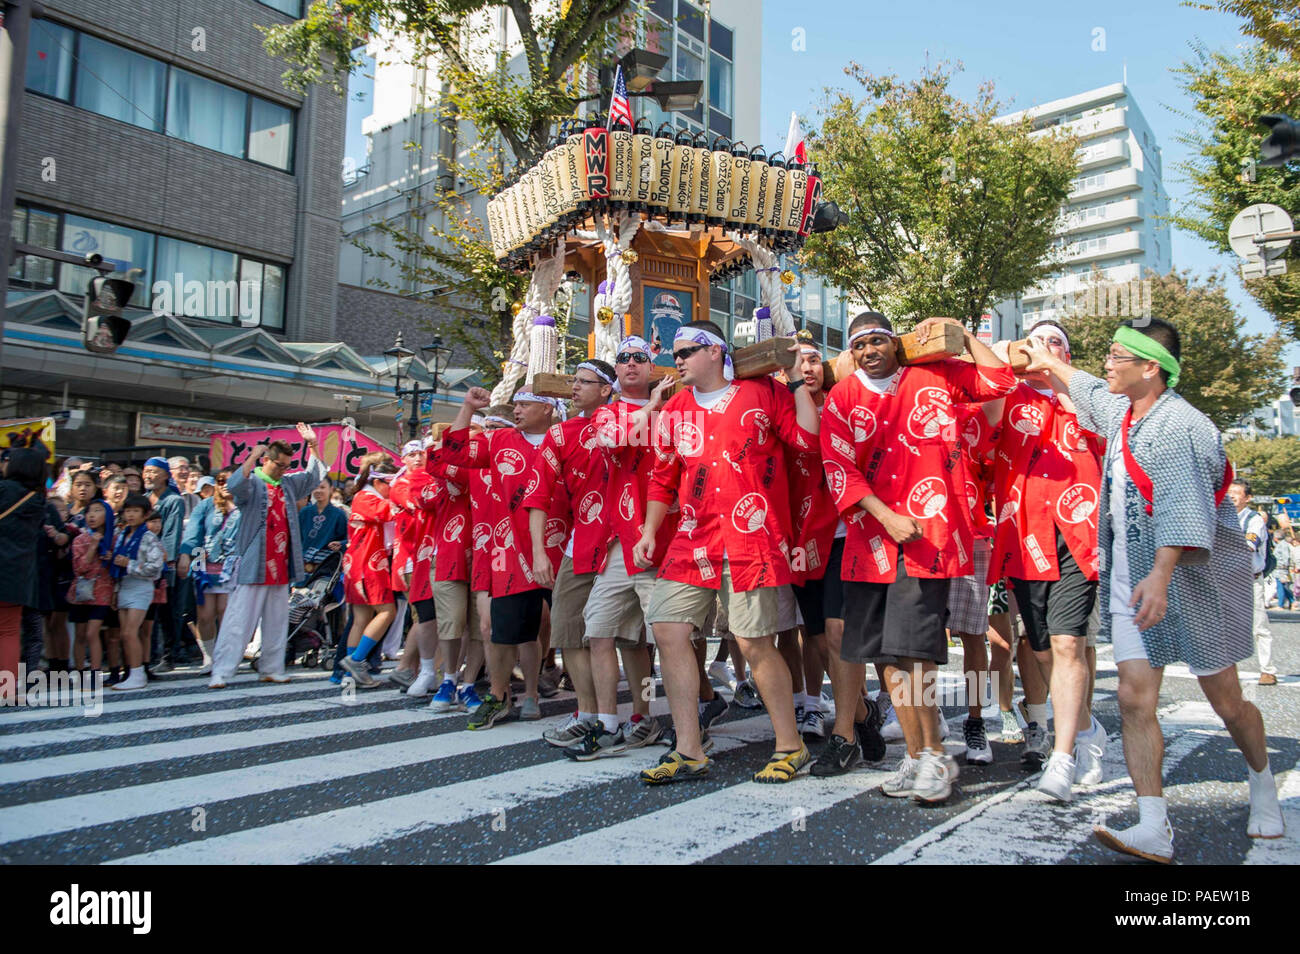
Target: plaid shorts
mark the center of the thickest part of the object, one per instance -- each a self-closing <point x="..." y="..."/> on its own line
<point x="968" y="598"/>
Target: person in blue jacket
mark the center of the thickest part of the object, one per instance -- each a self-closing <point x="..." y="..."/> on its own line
<point x="208" y="555"/>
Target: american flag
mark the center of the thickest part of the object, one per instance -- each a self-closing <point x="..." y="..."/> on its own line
<point x="619" y="108"/>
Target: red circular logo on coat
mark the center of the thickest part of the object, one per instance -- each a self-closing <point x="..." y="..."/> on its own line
<point x="974" y="426"/>
<point x="749" y="513"/>
<point x="590" y="507"/>
<point x="510" y="462"/>
<point x="836" y="479"/>
<point x="758" y="420"/>
<point x="972" y="494"/>
<point x="425" y="553"/>
<point x="503" y="537"/>
<point x="931" y="413"/>
<point x="688" y="439"/>
<point x="454" y="528"/>
<point x="863" y="422"/>
<point x="1077" y="504"/>
<point x="805" y="506"/>
<point x="1072" y="435"/>
<point x="482" y="536"/>
<point x="1027" y="419"/>
<point x="927" y="498"/>
<point x="626" y="505"/>
<point x="378" y="561"/>
<point x="556" y="532"/>
<point x="688" y="523"/>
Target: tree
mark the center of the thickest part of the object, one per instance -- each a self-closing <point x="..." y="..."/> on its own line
<point x="1271" y="464"/>
<point x="517" y="109"/>
<point x="1275" y="22"/>
<point x="1226" y="373"/>
<point x="949" y="210"/>
<point x="1230" y="92"/>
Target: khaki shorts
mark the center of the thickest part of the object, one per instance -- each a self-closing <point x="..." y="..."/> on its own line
<point x="569" y="597"/>
<point x="618" y="603"/>
<point x="787" y="609"/>
<point x="750" y="615"/>
<point x="455" y="608"/>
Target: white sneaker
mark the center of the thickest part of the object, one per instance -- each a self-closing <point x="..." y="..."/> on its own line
<point x="1265" y="813"/>
<point x="934" y="777"/>
<point x="1088" y="751"/>
<point x="721" y="671"/>
<point x="899" y="785"/>
<point x="136" y="679"/>
<point x="1144" y="842"/>
<point x="1058" y="778"/>
<point x="423" y="685"/>
<point x="814" y="725"/>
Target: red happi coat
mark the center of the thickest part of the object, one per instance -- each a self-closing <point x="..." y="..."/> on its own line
<point x="571" y="462"/>
<point x="452" y="520"/>
<point x="510" y="457"/>
<point x="631" y="460"/>
<point x="366" y="565"/>
<point x="902" y="446"/>
<point x="416" y="496"/>
<point x="1047" y="475"/>
<point x="724" y="465"/>
<point x="812" y="511"/>
<point x="978" y="438"/>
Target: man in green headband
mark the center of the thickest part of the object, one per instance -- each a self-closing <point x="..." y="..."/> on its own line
<point x="1175" y="570"/>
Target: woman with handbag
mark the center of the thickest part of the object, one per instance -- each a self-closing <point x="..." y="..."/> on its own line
<point x="91" y="592"/>
<point x="138" y="561"/>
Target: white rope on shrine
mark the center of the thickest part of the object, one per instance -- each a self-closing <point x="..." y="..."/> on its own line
<point x="543" y="284"/>
<point x="615" y="292"/>
<point x="771" y="291"/>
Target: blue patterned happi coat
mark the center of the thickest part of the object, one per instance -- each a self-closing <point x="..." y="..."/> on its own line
<point x="1208" y="624"/>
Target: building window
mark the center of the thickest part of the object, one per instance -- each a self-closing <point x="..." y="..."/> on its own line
<point x="663" y="9"/>
<point x="719" y="124"/>
<point x="204" y="279"/>
<point x="206" y="113"/>
<point x="120" y="84"/>
<point x="835" y="338"/>
<point x="720" y="39"/>
<point x="35" y="227"/>
<point x="261" y="295"/>
<point x="270" y="134"/>
<point x="690" y="20"/>
<point x="720" y="84"/>
<point x="49" y="59"/>
<point x="120" y="246"/>
<point x="292" y="8"/>
<point x="720" y="299"/>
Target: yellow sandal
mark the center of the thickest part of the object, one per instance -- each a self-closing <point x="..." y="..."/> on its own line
<point x="784" y="766"/>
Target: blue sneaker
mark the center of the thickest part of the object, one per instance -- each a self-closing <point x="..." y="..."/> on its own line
<point x="336" y="680"/>
<point x="445" y="699"/>
<point x="468" y="698"/>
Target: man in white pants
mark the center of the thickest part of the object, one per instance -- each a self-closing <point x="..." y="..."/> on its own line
<point x="269" y="553"/>
<point x="1255" y="527"/>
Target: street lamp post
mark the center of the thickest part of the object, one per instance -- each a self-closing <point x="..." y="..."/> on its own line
<point x="436" y="358"/>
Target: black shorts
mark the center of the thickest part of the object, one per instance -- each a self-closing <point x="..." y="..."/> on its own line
<point x="884" y="622"/>
<point x="811" y="599"/>
<point x="423" y="610"/>
<point x="85" y="612"/>
<point x="517" y="618"/>
<point x="832" y="590"/>
<point x="1055" y="607"/>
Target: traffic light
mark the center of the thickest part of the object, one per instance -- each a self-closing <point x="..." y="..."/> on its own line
<point x="827" y="216"/>
<point x="105" y="327"/>
<point x="1283" y="141"/>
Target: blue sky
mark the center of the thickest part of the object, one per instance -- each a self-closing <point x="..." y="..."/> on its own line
<point x="1032" y="51"/>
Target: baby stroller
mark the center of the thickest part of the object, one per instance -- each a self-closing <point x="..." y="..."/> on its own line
<point x="312" y="632"/>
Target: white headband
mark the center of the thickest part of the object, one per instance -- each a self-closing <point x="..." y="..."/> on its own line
<point x="594" y="370"/>
<point x="410" y="447"/>
<point x="634" y="343"/>
<point x="701" y="336"/>
<point x="555" y="404"/>
<point x="870" y="330"/>
<point x="1042" y="329"/>
<point x="809" y="349"/>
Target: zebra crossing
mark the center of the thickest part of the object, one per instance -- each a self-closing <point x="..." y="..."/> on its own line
<point x="258" y="773"/>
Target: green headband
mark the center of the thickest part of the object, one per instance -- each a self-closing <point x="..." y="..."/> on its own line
<point x="1147" y="347"/>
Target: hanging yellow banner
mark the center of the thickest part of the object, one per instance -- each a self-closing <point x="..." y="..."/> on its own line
<point x="22" y="431"/>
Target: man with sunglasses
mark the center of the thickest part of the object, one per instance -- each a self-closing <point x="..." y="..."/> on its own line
<point x="572" y="462"/>
<point x="1176" y="580"/>
<point x="719" y="446"/>
<point x="895" y="468"/>
<point x="1047" y="479"/>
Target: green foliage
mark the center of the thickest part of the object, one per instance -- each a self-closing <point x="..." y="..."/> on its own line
<point x="1273" y="463"/>
<point x="1229" y="93"/>
<point x="949" y="211"/>
<point x="1275" y="22"/>
<point x="1226" y="373"/>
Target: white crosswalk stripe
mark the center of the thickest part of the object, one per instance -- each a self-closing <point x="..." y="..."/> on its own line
<point x="289" y="775"/>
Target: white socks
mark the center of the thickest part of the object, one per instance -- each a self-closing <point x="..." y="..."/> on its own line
<point x="610" y="722"/>
<point x="586" y="716"/>
<point x="1037" y="713"/>
<point x="1265" y="812"/>
<point x="426" y="667"/>
<point x="1153" y="813"/>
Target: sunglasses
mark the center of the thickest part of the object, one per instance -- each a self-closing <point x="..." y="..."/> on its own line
<point x="638" y="357"/>
<point x="685" y="353"/>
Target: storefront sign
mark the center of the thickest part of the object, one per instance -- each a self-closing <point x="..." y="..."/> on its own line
<point x="156" y="429"/>
<point x="19" y="432"/>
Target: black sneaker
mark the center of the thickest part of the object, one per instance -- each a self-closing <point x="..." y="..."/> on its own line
<point x="712" y="709"/>
<point x="836" y="758"/>
<point x="598" y="743"/>
<point x="871" y="742"/>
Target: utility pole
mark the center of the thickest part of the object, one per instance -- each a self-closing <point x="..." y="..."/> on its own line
<point x="13" y="75"/>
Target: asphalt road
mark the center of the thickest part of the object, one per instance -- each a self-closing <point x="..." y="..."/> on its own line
<point x="281" y="774"/>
